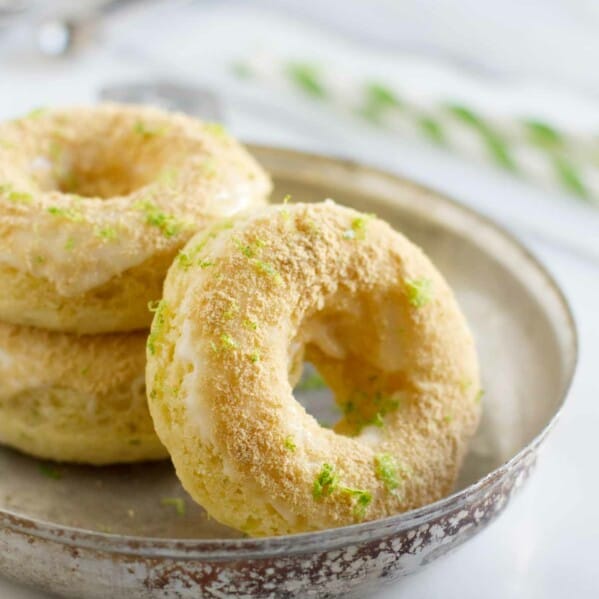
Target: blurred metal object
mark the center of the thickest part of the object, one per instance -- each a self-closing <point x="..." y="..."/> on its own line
<point x="196" y="101"/>
<point x="71" y="25"/>
<point x="11" y="9"/>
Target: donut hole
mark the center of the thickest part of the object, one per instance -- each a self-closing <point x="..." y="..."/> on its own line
<point x="316" y="397"/>
<point x="106" y="161"/>
<point x="352" y="362"/>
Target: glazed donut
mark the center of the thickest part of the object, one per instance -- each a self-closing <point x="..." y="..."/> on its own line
<point x="95" y="202"/>
<point x="344" y="291"/>
<point x="75" y="399"/>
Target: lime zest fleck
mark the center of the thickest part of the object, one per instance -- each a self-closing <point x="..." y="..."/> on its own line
<point x="448" y="418"/>
<point x="154" y="305"/>
<point x="50" y="472"/>
<point x="145" y="130"/>
<point x="227" y="342"/>
<point x="479" y="396"/>
<point x="157" y="325"/>
<point x="168" y="224"/>
<point x="232" y="310"/>
<point x="177" y="502"/>
<point x="250" y="324"/>
<point x="69" y="244"/>
<point x="386" y="469"/>
<point x="419" y="291"/>
<point x="326" y="482"/>
<point x="361" y="498"/>
<point x="254" y="357"/>
<point x="71" y="214"/>
<point x="290" y="443"/>
<point x="107" y="233"/>
<point x="216" y="129"/>
<point x="18" y="197"/>
<point x="268" y="269"/>
<point x="357" y="228"/>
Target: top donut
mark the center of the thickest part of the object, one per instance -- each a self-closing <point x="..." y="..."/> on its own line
<point x="96" y="201"/>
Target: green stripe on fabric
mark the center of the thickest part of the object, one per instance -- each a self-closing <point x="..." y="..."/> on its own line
<point x="466" y="116"/>
<point x="499" y="150"/>
<point x="307" y="77"/>
<point x="569" y="177"/>
<point x="381" y="95"/>
<point x="543" y="134"/>
<point x="496" y="146"/>
<point x="432" y="129"/>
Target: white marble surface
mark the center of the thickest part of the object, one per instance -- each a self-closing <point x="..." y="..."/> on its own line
<point x="546" y="544"/>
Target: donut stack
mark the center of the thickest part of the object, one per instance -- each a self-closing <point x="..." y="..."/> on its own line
<point x="95" y="204"/>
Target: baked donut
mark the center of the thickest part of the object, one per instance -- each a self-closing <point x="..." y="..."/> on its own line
<point x="242" y="305"/>
<point x="75" y="399"/>
<point x="95" y="202"/>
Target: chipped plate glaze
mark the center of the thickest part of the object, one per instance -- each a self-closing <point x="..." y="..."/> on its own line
<point x="108" y="532"/>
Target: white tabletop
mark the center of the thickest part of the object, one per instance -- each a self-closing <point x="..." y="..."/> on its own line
<point x="548" y="539"/>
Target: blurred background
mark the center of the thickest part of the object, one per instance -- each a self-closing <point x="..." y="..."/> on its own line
<point x="494" y="103"/>
<point x="461" y="94"/>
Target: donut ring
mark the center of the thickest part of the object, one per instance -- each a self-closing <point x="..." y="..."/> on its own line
<point x="378" y="321"/>
<point x="75" y="399"/>
<point x="95" y="202"/>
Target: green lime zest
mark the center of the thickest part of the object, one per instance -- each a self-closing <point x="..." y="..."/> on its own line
<point x="50" y="472"/>
<point x="232" y="310"/>
<point x="227" y="342"/>
<point x="18" y="197"/>
<point x="69" y="244"/>
<point x="216" y="129"/>
<point x="361" y="498"/>
<point x="386" y="470"/>
<point x="145" y="130"/>
<point x="290" y="443"/>
<point x="250" y="324"/>
<point x="168" y="224"/>
<point x="71" y="214"/>
<point x="254" y="357"/>
<point x="158" y="323"/>
<point x="177" y="502"/>
<point x="419" y="291"/>
<point x="267" y="269"/>
<point x="326" y="482"/>
<point x="107" y="233"/>
<point x="357" y="228"/>
<point x="479" y="396"/>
